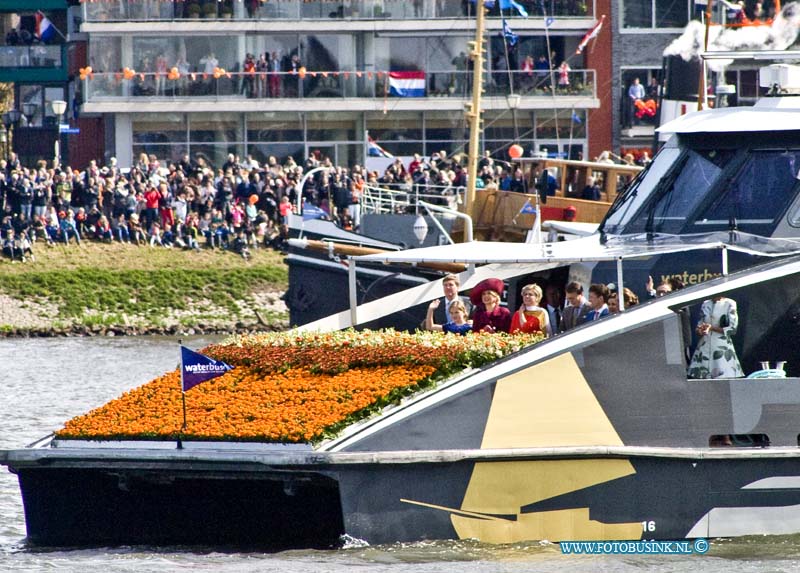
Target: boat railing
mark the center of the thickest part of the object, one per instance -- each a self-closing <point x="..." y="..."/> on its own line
<point x="224" y="82"/>
<point x="395" y="198"/>
<point x="109" y="11"/>
<point x="572" y="176"/>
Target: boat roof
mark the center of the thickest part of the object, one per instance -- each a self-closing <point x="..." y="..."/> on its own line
<point x="330" y="231"/>
<point x="768" y="114"/>
<point x="586" y="249"/>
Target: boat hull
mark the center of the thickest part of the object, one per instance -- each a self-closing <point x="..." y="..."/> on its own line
<point x="278" y="502"/>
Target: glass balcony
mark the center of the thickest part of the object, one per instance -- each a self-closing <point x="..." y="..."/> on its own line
<point x="336" y="84"/>
<point x="116" y="11"/>
<point x="39" y="56"/>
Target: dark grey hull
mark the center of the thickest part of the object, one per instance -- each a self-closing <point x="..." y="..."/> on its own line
<point x="596" y="434"/>
<point x="212" y="499"/>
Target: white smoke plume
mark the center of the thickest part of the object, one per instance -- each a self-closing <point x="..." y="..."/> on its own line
<point x="779" y="36"/>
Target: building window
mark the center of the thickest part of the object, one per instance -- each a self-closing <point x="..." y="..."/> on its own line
<point x="564" y="124"/>
<point x="396" y="126"/>
<point x="653" y="14"/>
<point x="274" y="127"/>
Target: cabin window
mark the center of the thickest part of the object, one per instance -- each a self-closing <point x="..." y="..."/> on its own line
<point x="686" y="187"/>
<point x="635" y="196"/>
<point x="758" y="194"/>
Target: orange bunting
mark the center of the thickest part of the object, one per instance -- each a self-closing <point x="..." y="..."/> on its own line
<point x="128" y="73"/>
<point x="301" y="72"/>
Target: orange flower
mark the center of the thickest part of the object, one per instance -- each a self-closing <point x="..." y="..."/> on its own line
<point x="286" y="388"/>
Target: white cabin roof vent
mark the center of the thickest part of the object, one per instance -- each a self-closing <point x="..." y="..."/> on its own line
<point x="780" y="79"/>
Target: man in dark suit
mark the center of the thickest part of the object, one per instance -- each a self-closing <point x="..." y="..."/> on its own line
<point x="450" y="285"/>
<point x="577" y="308"/>
<point x="598" y="298"/>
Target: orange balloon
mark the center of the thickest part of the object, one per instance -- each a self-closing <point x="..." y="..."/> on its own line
<point x="253" y="199"/>
<point x="515" y="151"/>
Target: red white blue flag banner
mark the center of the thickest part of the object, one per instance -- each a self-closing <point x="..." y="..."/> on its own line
<point x="375" y="150"/>
<point x="407" y="84"/>
<point x="591" y="34"/>
<point x="44" y="28"/>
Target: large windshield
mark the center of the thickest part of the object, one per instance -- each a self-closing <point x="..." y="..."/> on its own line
<point x="681" y="192"/>
<point x="634" y="197"/>
<point x="758" y="194"/>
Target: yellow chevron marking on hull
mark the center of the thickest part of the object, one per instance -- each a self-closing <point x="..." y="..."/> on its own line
<point x="547" y="405"/>
<point x="502" y="488"/>
<point x="560" y="525"/>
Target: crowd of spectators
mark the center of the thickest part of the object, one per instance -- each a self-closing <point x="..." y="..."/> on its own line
<point x="191" y="204"/>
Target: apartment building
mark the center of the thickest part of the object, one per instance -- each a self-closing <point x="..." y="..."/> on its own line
<point x="294" y="77"/>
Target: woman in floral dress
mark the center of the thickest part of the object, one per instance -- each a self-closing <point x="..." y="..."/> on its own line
<point x="715" y="356"/>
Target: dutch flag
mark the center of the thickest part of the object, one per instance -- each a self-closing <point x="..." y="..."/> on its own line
<point x="375" y="150"/>
<point x="407" y="84"/>
<point x="44" y="28"/>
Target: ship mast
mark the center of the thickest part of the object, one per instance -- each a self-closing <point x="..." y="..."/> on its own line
<point x="473" y="112"/>
<point x="702" y="90"/>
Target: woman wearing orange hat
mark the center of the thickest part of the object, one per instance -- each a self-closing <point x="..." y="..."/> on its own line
<point x="489" y="316"/>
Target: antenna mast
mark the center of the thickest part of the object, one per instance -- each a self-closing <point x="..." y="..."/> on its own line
<point x="473" y="112"/>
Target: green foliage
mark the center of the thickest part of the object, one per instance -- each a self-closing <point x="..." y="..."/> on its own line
<point x="145" y="292"/>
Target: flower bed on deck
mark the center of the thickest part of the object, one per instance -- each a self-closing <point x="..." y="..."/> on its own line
<point x="288" y="387"/>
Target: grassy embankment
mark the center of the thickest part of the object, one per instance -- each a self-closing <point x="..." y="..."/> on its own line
<point x="140" y="288"/>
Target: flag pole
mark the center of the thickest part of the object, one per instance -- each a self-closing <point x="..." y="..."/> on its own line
<point x="183" y="395"/>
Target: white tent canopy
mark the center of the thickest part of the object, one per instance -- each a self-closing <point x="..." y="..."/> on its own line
<point x="585" y="249"/>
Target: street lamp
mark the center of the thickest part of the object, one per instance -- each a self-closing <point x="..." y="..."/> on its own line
<point x="29" y="110"/>
<point x="10" y="120"/>
<point x="59" y="107"/>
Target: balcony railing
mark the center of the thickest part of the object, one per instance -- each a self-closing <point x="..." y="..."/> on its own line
<point x="38" y="56"/>
<point x="116" y="11"/>
<point x="332" y="84"/>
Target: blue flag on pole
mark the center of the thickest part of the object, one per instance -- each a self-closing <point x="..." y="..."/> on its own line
<point x="509" y="35"/>
<point x="197" y="368"/>
<point x="528" y="209"/>
<point x="576" y="118"/>
<point x="506" y="4"/>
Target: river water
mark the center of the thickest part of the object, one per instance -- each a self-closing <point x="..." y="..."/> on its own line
<point x="47" y="381"/>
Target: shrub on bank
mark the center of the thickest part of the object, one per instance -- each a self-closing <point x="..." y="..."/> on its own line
<point x="289" y="387"/>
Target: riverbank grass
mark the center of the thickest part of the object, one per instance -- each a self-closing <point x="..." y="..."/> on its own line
<point x="124" y="285"/>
